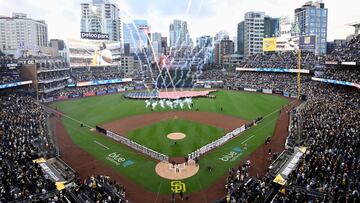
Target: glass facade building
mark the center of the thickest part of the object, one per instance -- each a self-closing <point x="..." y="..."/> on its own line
<point x="312" y="19"/>
<point x="136" y="35"/>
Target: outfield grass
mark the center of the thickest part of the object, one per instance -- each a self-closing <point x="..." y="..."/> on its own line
<point x="103" y="109"/>
<point x="197" y="135"/>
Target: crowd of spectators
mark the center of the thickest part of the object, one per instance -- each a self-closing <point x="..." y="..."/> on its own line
<point x="243" y="188"/>
<point x="331" y="166"/>
<point x="49" y="87"/>
<point x="259" y="80"/>
<point x="54" y="75"/>
<point x="23" y="135"/>
<point x="96" y="189"/>
<point x="349" y="53"/>
<point x="44" y="62"/>
<point x="288" y="60"/>
<point x="331" y="129"/>
<point x="83" y="74"/>
<point x="88" y="89"/>
<point x="9" y="70"/>
<point x="348" y="74"/>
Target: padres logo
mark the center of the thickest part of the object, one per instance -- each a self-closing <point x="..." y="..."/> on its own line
<point x="177" y="186"/>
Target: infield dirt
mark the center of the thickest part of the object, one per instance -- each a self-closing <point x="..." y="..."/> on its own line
<point x="123" y="126"/>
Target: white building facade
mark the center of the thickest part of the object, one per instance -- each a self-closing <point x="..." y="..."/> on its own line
<point x="20" y="32"/>
<point x="254" y="32"/>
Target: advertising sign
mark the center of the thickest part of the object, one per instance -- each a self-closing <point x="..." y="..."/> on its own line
<point x="95" y="36"/>
<point x="269" y="44"/>
<point x="307" y="43"/>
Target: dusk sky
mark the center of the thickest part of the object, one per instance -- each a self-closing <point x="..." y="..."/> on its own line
<point x="204" y="17"/>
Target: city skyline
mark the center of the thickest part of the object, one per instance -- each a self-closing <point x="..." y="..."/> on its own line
<point x="203" y="17"/>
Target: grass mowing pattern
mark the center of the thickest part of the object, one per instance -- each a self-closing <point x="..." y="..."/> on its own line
<point x="154" y="136"/>
<point x="103" y="109"/>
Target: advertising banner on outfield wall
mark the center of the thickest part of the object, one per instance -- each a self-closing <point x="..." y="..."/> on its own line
<point x="286" y="94"/>
<point x="277" y="92"/>
<point x="249" y="90"/>
<point x="267" y="91"/>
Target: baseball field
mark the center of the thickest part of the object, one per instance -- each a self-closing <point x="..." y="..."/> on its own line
<point x="208" y="120"/>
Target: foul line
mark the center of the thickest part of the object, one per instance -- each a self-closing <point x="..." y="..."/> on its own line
<point x="101" y="144"/>
<point x="247" y="139"/>
<point x="157" y="194"/>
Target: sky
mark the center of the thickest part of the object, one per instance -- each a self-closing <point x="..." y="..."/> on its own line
<point x="204" y="17"/>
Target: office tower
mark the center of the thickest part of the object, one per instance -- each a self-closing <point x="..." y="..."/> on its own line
<point x="223" y="47"/>
<point x="257" y="26"/>
<point x="156" y="43"/>
<point x="20" y="32"/>
<point x="311" y="20"/>
<point x="240" y="37"/>
<point x="179" y="34"/>
<point x="136" y="34"/>
<point x="101" y="16"/>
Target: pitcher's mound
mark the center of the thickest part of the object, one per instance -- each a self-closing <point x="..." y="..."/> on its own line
<point x="176" y="136"/>
<point x="177" y="172"/>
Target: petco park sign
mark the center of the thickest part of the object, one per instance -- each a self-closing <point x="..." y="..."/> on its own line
<point x="95" y="35"/>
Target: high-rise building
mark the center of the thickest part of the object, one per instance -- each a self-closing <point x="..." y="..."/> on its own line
<point x="221" y="35"/>
<point x="222" y="48"/>
<point x="203" y="41"/>
<point x="20" y="32"/>
<point x="257" y="26"/>
<point x="164" y="45"/>
<point x="204" y="48"/>
<point x="101" y="16"/>
<point x="240" y="37"/>
<point x="179" y="34"/>
<point x="311" y="20"/>
<point x="254" y="32"/>
<point x="271" y="26"/>
<point x="126" y="49"/>
<point x="156" y="43"/>
<point x="136" y="34"/>
<point x="235" y="43"/>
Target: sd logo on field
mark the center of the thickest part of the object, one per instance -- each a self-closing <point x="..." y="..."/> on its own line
<point x="177" y="186"/>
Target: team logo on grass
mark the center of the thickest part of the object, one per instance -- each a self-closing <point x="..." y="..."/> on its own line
<point x="177" y="186"/>
<point x="117" y="159"/>
<point x="232" y="155"/>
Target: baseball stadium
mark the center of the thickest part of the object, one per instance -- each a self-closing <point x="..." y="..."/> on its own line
<point x="104" y="118"/>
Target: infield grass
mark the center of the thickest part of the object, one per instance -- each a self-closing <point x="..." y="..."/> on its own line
<point x="103" y="109"/>
<point x="155" y="136"/>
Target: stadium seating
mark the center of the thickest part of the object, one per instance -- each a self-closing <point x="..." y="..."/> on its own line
<point x="9" y="70"/>
<point x="24" y="138"/>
